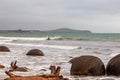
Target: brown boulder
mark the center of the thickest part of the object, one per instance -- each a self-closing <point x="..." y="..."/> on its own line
<point x="4" y="49"/>
<point x="1" y="66"/>
<point x="113" y="66"/>
<point x="87" y="66"/>
<point x="35" y="52"/>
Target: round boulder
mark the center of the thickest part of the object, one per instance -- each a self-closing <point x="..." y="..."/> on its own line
<point x="4" y="49"/>
<point x="35" y="52"/>
<point x="87" y="66"/>
<point x="113" y="66"/>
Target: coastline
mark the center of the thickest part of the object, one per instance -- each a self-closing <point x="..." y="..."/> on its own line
<point x="60" y="54"/>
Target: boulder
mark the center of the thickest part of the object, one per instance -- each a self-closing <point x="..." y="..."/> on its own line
<point x="35" y="52"/>
<point x="113" y="66"/>
<point x="4" y="49"/>
<point x="87" y="66"/>
<point x="48" y="38"/>
<point x="1" y="66"/>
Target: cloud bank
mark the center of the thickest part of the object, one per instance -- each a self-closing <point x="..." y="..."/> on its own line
<point x="95" y="15"/>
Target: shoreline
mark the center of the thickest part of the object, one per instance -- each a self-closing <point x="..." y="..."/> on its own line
<point x="56" y="56"/>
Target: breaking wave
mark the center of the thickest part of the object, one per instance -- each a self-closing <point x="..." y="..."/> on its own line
<point x="18" y="41"/>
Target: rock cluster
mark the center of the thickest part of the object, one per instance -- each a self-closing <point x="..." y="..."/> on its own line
<point x="85" y="65"/>
<point x="92" y="66"/>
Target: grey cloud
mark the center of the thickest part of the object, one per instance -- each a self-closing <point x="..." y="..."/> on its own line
<point x="93" y="15"/>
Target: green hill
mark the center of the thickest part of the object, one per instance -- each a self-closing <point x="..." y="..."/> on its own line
<point x="67" y="30"/>
<point x="60" y="30"/>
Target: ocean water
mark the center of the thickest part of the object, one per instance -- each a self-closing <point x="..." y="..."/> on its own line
<point x="93" y="36"/>
<point x="57" y="52"/>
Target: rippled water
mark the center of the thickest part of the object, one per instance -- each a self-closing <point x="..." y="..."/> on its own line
<point x="57" y="52"/>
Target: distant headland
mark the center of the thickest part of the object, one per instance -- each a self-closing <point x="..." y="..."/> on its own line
<point x="60" y="30"/>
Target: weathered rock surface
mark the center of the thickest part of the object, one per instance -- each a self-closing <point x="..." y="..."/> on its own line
<point x="35" y="52"/>
<point x="87" y="66"/>
<point x="113" y="66"/>
<point x="1" y="66"/>
<point x="4" y="49"/>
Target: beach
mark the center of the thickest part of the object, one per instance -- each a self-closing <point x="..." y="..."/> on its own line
<point x="57" y="52"/>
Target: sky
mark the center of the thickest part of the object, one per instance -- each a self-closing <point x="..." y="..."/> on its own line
<point x="99" y="16"/>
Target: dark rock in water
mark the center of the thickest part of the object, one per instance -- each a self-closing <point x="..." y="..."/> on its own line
<point x="4" y="49"/>
<point x="48" y="38"/>
<point x="43" y="70"/>
<point x="113" y="66"/>
<point x="35" y="52"/>
<point x="79" y="48"/>
<point x="87" y="66"/>
<point x="1" y="66"/>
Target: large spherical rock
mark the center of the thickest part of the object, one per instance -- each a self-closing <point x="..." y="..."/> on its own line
<point x="4" y="49"/>
<point x="35" y="52"/>
<point x="87" y="66"/>
<point x="113" y="66"/>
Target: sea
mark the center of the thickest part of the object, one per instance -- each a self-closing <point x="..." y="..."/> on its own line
<point x="58" y="51"/>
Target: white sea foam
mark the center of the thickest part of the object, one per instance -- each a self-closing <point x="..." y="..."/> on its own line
<point x="10" y="40"/>
<point x="55" y="37"/>
<point x="22" y="38"/>
<point x="27" y="38"/>
<point x="114" y="54"/>
<point x="56" y="53"/>
<point x="44" y="46"/>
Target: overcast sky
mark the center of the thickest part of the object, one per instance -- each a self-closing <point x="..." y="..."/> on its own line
<point x="94" y="15"/>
